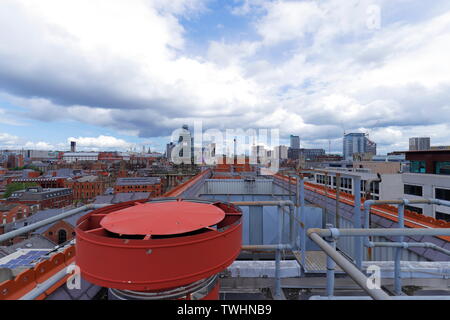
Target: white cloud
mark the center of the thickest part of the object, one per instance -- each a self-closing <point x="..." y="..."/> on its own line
<point x="8" y="139"/>
<point x="101" y="142"/>
<point x="41" y="145"/>
<point x="314" y="69"/>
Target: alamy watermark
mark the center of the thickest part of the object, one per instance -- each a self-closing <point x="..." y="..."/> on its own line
<point x="374" y="279"/>
<point x="74" y="280"/>
<point x="227" y="146"/>
<point x="373" y="21"/>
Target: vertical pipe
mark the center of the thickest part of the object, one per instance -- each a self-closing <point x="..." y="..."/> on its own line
<point x="331" y="266"/>
<point x="325" y="218"/>
<point x="398" y="251"/>
<point x="291" y="226"/>
<point x="367" y="239"/>
<point x="357" y="220"/>
<point x="278" y="254"/>
<point x="297" y="211"/>
<point x="290" y="192"/>
<point x="338" y="193"/>
<point x="302" y="222"/>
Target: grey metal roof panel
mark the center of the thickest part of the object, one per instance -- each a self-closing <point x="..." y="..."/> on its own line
<point x="35" y="242"/>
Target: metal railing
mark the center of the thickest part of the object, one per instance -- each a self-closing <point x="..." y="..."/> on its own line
<point x="280" y="246"/>
<point x="58" y="217"/>
<point x="399" y="245"/>
<point x="332" y="234"/>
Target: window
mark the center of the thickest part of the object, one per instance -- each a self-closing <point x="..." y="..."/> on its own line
<point x="443" y="168"/>
<point x="442" y="216"/>
<point x="414" y="209"/>
<point x="62" y="236"/>
<point x="418" y="167"/>
<point x="442" y="194"/>
<point x="413" y="190"/>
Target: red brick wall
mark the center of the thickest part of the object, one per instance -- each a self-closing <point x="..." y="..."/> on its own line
<point x="19" y="212"/>
<point x="86" y="190"/>
<point x="52" y="233"/>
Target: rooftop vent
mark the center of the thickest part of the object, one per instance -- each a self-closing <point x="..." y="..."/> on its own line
<point x="166" y="248"/>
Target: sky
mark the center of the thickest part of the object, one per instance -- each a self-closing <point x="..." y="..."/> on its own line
<point x="115" y="75"/>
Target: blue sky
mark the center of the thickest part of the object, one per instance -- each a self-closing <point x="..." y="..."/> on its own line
<point x="116" y="75"/>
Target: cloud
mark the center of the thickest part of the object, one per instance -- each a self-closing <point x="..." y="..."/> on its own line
<point x="101" y="143"/>
<point x="114" y="56"/>
<point x="7" y="140"/>
<point x="41" y="145"/>
<point x="6" y="119"/>
<point x="312" y="68"/>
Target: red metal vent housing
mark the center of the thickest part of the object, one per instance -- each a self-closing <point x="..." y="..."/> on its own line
<point x="159" y="244"/>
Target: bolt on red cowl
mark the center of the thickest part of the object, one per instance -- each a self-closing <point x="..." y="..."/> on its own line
<point x="159" y="244"/>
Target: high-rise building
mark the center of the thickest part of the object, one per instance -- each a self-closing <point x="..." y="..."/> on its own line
<point x="281" y="152"/>
<point x="73" y="146"/>
<point x="419" y="143"/>
<point x="169" y="148"/>
<point x="295" y="142"/>
<point x="358" y="143"/>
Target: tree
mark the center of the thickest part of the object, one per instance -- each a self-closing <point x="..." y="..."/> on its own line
<point x="16" y="186"/>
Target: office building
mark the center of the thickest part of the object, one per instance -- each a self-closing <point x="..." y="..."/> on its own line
<point x="419" y="144"/>
<point x="358" y="143"/>
<point x="295" y="142"/>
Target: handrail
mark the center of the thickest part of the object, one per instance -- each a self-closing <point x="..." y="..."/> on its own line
<point x="37" y="225"/>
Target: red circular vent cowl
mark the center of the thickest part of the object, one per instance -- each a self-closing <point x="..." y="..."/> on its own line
<point x="159" y="244"/>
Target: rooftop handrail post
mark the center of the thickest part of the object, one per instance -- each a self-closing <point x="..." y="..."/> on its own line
<point x="338" y="193"/>
<point x="292" y="226"/>
<point x="357" y="220"/>
<point x="302" y="222"/>
<point x="366" y="217"/>
<point x="297" y="212"/>
<point x="278" y="254"/>
<point x="399" y="250"/>
<point x="331" y="264"/>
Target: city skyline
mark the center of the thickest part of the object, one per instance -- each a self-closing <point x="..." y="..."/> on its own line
<point x="311" y="69"/>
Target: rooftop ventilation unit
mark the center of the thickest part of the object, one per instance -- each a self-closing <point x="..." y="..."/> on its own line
<point x="161" y="249"/>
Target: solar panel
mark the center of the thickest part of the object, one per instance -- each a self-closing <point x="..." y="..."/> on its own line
<point x="25" y="260"/>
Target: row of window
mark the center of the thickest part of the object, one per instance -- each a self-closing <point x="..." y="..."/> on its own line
<point x="439" y="215"/>
<point x="440" y="167"/>
<point x="439" y="193"/>
<point x="347" y="183"/>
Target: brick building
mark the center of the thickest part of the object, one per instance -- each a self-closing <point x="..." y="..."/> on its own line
<point x="86" y="188"/>
<point x="45" y="198"/>
<point x="152" y="185"/>
<point x="11" y="212"/>
<point x="430" y="161"/>
<point x="46" y="183"/>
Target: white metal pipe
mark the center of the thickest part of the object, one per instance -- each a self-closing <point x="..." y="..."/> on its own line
<point x="348" y="267"/>
<point x="278" y="255"/>
<point x="399" y="250"/>
<point x="302" y="223"/>
<point x="383" y="232"/>
<point x="406" y="245"/>
<point x="266" y="247"/>
<point x="331" y="266"/>
<point x="357" y="221"/>
<point x="61" y="216"/>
